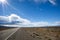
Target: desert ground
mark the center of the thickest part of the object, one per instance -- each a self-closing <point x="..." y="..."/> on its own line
<point x="33" y="33"/>
<point x="42" y="33"/>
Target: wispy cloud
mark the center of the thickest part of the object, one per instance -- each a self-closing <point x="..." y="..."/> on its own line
<point x="15" y="20"/>
<point x="57" y="23"/>
<point x="41" y="23"/>
<point x="53" y="2"/>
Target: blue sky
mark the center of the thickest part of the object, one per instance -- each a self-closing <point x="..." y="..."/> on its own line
<point x="33" y="10"/>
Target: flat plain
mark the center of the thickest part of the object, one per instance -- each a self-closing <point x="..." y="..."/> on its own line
<point x="34" y="33"/>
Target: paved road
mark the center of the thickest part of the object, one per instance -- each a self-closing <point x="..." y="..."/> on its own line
<point x="5" y="34"/>
<point x="22" y="34"/>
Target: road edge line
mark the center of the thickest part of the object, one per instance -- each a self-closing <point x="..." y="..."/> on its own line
<point x="11" y="34"/>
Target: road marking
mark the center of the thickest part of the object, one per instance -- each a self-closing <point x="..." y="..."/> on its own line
<point x="11" y="34"/>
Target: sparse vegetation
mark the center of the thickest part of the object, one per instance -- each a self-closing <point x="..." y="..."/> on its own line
<point x="42" y="33"/>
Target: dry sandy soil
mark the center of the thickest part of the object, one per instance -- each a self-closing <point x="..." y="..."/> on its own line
<point x="51" y="33"/>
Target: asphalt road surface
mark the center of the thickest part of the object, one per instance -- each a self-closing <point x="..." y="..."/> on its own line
<point x="5" y="34"/>
<point x="22" y="34"/>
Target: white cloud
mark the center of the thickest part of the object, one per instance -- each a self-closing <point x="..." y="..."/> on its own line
<point x="25" y="22"/>
<point x="40" y="23"/>
<point x="15" y="20"/>
<point x="4" y="19"/>
<point x="52" y="2"/>
<point x="57" y="23"/>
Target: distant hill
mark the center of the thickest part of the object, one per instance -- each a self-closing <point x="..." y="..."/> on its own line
<point x="5" y="27"/>
<point x="2" y="26"/>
